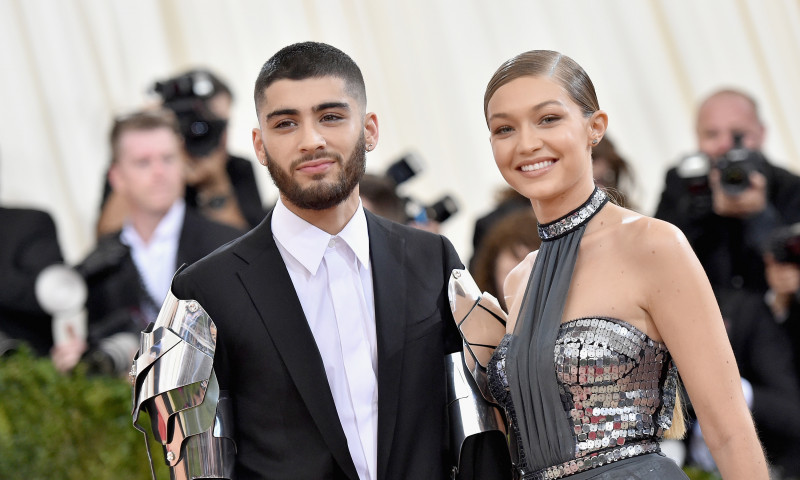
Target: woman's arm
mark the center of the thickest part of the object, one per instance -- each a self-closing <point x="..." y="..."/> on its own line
<point x="682" y="305"/>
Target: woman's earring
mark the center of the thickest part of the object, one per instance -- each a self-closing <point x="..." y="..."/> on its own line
<point x="595" y="141"/>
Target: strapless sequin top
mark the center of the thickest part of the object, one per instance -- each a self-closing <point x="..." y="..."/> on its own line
<point x="617" y="389"/>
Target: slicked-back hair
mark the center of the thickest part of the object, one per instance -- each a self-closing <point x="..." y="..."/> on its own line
<point x="546" y="63"/>
<point x="305" y="60"/>
<point x="141" y="120"/>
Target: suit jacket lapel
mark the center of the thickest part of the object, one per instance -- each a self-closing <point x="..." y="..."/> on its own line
<point x="270" y="287"/>
<point x="387" y="254"/>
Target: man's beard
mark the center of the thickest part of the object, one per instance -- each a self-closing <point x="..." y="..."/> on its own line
<point x="321" y="195"/>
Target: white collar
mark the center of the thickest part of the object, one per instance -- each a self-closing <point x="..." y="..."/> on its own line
<point x="168" y="228"/>
<point x="307" y="243"/>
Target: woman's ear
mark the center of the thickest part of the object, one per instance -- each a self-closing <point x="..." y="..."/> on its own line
<point x="598" y="123"/>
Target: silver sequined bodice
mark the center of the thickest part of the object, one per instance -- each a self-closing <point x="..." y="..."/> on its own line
<point x="617" y="389"/>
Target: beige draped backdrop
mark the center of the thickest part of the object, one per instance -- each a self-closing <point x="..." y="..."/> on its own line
<point x="68" y="66"/>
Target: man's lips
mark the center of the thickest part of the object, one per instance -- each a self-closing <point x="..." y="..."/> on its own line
<point x="316" y="166"/>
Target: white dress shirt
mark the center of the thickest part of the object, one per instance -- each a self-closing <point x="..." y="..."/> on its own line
<point x="156" y="260"/>
<point x="332" y="276"/>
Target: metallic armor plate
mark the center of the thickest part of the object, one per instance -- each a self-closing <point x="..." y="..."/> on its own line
<point x="472" y="409"/>
<point x="175" y="384"/>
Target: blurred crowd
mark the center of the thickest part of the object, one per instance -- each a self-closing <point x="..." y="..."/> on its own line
<point x="174" y="194"/>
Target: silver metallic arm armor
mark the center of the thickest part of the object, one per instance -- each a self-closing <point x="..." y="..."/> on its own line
<point x="471" y="407"/>
<point x="175" y="384"/>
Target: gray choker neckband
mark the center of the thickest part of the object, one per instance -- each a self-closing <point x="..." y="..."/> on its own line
<point x="573" y="220"/>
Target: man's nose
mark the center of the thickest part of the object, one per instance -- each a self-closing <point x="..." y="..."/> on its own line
<point x="311" y="139"/>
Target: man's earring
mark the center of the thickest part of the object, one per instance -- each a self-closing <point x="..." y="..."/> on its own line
<point x="369" y="147"/>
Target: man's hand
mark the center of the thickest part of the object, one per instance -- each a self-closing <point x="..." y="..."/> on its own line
<point x="751" y="201"/>
<point x="67" y="354"/>
<point x="215" y="195"/>
<point x="208" y="172"/>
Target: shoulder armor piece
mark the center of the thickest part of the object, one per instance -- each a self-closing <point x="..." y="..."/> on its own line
<point x="175" y="384"/>
<point x="471" y="407"/>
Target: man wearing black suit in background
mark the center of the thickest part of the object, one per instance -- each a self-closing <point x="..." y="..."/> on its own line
<point x="28" y="245"/>
<point x="129" y="272"/>
<point x="332" y="323"/>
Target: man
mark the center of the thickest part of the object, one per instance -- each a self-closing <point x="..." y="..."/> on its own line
<point x="129" y="272"/>
<point x="220" y="185"/>
<point x="27" y="246"/>
<point x="727" y="230"/>
<point x="223" y="186"/>
<point x="332" y="324"/>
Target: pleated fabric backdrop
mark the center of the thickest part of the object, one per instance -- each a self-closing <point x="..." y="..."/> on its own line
<point x="68" y="66"/>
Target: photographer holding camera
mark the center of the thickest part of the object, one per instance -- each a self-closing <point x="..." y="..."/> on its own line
<point x="728" y="200"/>
<point x="220" y="185"/>
<point x="729" y="197"/>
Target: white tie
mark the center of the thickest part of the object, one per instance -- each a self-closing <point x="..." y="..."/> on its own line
<point x="358" y="403"/>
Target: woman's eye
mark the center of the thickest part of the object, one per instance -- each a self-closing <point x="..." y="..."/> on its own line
<point x="503" y="130"/>
<point x="550" y="118"/>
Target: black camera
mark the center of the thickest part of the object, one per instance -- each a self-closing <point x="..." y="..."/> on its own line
<point x="784" y="244"/>
<point x="187" y="96"/>
<point x="736" y="165"/>
<point x="407" y="167"/>
<point x="438" y="211"/>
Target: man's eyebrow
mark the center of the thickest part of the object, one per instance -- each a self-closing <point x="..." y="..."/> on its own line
<point x="285" y="111"/>
<point x="330" y="105"/>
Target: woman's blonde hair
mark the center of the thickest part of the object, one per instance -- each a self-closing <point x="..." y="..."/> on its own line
<point x="678" y="428"/>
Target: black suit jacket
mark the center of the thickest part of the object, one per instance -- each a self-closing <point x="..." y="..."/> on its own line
<point x="116" y="291"/>
<point x="28" y="244"/>
<point x="764" y="355"/>
<point x="286" y="425"/>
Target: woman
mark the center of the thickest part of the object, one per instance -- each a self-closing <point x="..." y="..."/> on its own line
<point x="613" y="296"/>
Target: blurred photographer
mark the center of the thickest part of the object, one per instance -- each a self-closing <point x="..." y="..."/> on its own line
<point x="128" y="274"/>
<point x="728" y="197"/>
<point x="379" y="194"/>
<point x="782" y="260"/>
<point x="220" y="185"/>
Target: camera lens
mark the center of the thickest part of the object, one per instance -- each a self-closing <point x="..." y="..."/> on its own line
<point x="734" y="175"/>
<point x="199" y="128"/>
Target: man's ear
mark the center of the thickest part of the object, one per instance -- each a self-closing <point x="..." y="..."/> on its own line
<point x="258" y="146"/>
<point x="115" y="178"/>
<point x="371" y="130"/>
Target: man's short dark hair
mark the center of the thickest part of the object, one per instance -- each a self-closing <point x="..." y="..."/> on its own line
<point x="305" y="60"/>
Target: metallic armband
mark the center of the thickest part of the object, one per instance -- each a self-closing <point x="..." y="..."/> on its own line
<point x="175" y="384"/>
<point x="472" y="409"/>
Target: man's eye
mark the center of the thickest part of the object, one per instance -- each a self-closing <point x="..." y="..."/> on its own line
<point x="330" y="117"/>
<point x="284" y="124"/>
